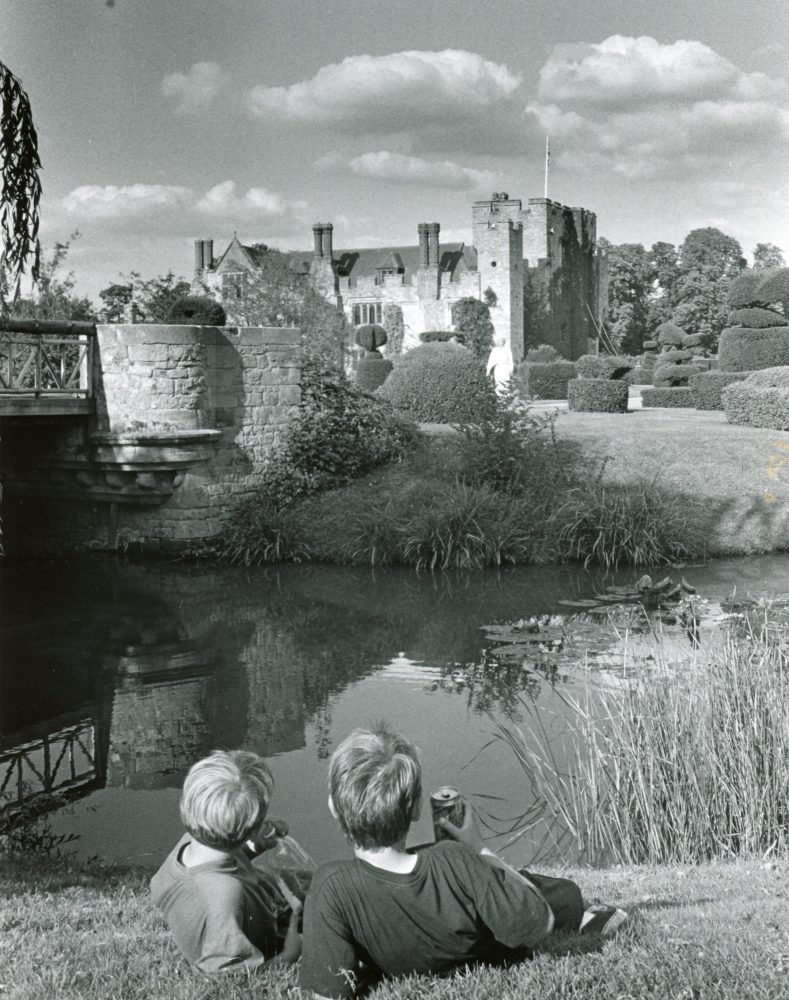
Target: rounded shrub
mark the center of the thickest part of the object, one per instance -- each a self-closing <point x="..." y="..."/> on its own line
<point x="372" y="371"/>
<point x="742" y="349"/>
<point x="706" y="388"/>
<point x="770" y="378"/>
<point x="371" y="336"/>
<point x="675" y="355"/>
<point x="601" y="366"/>
<point x="543" y="353"/>
<point x="693" y="340"/>
<point x="544" y="380"/>
<point x="197" y="310"/>
<point x="598" y="395"/>
<point x="774" y="286"/>
<point x="444" y="383"/>
<point x="667" y="375"/>
<point x="756" y="317"/>
<point x="437" y="336"/>
<point x="757" y="404"/>
<point x="743" y="291"/>
<point x="670" y="335"/>
<point x="677" y="396"/>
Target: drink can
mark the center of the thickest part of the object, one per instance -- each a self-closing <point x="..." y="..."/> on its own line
<point x="446" y="802"/>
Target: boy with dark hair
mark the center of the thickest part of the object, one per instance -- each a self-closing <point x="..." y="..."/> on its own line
<point x="390" y="912"/>
<point x="223" y="912"/>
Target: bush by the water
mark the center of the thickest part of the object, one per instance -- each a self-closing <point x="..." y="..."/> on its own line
<point x="761" y="400"/>
<point x="598" y="395"/>
<point x="544" y="380"/>
<point x="742" y="349"/>
<point x="678" y="396"/>
<point x="442" y="383"/>
<point x="677" y="765"/>
<point x="197" y="310"/>
<point x="602" y="366"/>
<point x="706" y="388"/>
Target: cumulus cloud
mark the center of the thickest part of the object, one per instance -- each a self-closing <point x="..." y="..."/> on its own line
<point x="645" y="110"/>
<point x="398" y="168"/>
<point x="402" y="91"/>
<point x="195" y="90"/>
<point x="256" y="203"/>
<point x="110" y="201"/>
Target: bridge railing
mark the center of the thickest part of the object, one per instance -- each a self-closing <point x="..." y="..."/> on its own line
<point x="42" y="358"/>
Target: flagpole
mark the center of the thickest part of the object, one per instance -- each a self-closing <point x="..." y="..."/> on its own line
<point x="547" y="161"/>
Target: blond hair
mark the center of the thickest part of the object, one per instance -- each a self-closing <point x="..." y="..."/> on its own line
<point x="225" y="798"/>
<point x="375" y="782"/>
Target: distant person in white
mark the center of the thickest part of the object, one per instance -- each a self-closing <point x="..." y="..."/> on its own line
<point x="500" y="364"/>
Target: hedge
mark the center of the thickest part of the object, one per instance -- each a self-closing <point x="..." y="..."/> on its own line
<point x="444" y="383"/>
<point x="757" y="406"/>
<point x="601" y="366"/>
<point x="197" y="310"/>
<point x="670" y="335"/>
<point x="774" y="286"/>
<point x="678" y="395"/>
<point x="598" y="395"/>
<point x="743" y="349"/>
<point x="706" y="388"/>
<point x="673" y="375"/>
<point x="372" y="371"/>
<point x="673" y="355"/>
<point x="770" y="378"/>
<point x="743" y="291"/>
<point x="545" y="380"/>
<point x="757" y="317"/>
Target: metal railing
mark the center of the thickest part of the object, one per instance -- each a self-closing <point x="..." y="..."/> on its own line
<point x="58" y="762"/>
<point x="41" y="359"/>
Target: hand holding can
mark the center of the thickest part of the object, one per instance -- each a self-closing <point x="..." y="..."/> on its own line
<point x="446" y="803"/>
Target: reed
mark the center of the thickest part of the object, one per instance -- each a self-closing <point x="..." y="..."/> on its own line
<point x="679" y="765"/>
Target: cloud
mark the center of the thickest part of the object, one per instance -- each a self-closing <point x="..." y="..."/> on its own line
<point x="403" y="91"/>
<point x="195" y="90"/>
<point x="93" y="201"/>
<point x="256" y="203"/>
<point x="643" y="110"/>
<point x="398" y="168"/>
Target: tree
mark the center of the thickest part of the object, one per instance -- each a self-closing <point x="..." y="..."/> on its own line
<point x="151" y="298"/>
<point x="631" y="278"/>
<point x="665" y="261"/>
<point x="708" y="262"/>
<point x="472" y="318"/>
<point x="53" y="297"/>
<point x="20" y="187"/>
<point x="116" y="299"/>
<point x="768" y="255"/>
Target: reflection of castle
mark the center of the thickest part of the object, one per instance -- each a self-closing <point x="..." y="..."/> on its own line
<point x="540" y="262"/>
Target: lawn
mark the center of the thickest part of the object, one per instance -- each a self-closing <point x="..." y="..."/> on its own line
<point x="712" y="931"/>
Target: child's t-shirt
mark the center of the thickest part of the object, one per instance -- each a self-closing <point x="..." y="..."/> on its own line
<point x="453" y="909"/>
<point x="222" y="914"/>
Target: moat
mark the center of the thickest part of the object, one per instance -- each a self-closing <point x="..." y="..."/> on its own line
<point x="116" y="676"/>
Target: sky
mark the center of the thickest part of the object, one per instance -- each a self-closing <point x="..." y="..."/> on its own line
<point x="165" y="121"/>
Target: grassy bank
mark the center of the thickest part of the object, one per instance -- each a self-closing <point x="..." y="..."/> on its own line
<point x="709" y="931"/>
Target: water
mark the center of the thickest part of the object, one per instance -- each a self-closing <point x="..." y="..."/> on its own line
<point x="115" y="677"/>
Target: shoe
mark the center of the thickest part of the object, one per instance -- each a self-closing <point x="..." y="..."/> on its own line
<point x="602" y="919"/>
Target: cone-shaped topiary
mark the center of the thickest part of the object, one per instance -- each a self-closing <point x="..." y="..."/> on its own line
<point x="371" y="336"/>
<point x="197" y="310"/>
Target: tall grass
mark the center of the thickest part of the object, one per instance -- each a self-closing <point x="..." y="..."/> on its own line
<point x="678" y="765"/>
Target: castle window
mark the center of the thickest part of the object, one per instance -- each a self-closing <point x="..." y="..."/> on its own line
<point x="367" y="312"/>
<point x="232" y="286"/>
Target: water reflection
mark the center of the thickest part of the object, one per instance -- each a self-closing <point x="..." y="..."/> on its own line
<point x="116" y="677"/>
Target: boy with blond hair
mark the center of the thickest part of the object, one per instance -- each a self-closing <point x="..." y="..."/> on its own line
<point x="389" y="912"/>
<point x="223" y="912"/>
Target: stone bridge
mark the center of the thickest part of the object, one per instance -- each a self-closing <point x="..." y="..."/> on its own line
<point x="141" y="436"/>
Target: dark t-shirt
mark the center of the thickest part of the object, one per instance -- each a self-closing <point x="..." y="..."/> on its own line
<point x="452" y="909"/>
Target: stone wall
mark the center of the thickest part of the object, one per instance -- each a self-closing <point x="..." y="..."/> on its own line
<point x="186" y="418"/>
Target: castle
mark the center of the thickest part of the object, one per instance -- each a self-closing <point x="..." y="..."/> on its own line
<point x="538" y="267"/>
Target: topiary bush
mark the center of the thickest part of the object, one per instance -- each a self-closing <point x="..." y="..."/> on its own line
<point x="197" y="310"/>
<point x="544" y="380"/>
<point x="756" y="317"/>
<point x="678" y="396"/>
<point x="444" y="383"/>
<point x="670" y="335"/>
<point x="371" y="336"/>
<point x="745" y="349"/>
<point x="706" y="388"/>
<point x="598" y="395"/>
<point x="667" y="375"/>
<point x="743" y="290"/>
<point x="542" y="354"/>
<point x="601" y="366"/>
<point x="372" y="369"/>
<point x="437" y="336"/>
<point x="761" y="400"/>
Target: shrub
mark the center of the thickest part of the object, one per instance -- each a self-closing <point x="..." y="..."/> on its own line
<point x="674" y="355"/>
<point x="601" y="366"/>
<point x="440" y="382"/>
<point x="262" y="532"/>
<point x="770" y="378"/>
<point x="693" y="340"/>
<point x="636" y="376"/>
<point x="598" y="395"/>
<point x="471" y="318"/>
<point x="670" y="335"/>
<point x="371" y="336"/>
<point x="372" y="371"/>
<point x="762" y="400"/>
<point x="743" y="290"/>
<point x="757" y="318"/>
<point x="679" y="395"/>
<point x="774" y="286"/>
<point x="544" y="380"/>
<point x="673" y="375"/>
<point x="742" y="349"/>
<point x="197" y="310"/>
<point x="394" y="326"/>
<point x="436" y="336"/>
<point x="706" y="388"/>
<point x="542" y="354"/>
<point x="613" y="524"/>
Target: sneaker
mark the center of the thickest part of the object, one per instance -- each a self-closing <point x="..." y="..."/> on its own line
<point x="601" y="919"/>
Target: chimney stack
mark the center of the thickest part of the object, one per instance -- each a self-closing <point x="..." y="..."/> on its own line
<point x="208" y="254"/>
<point x="317" y="239"/>
<point x="424" y="250"/>
<point x="433" y="229"/>
<point x="198" y="255"/>
<point x="326" y="242"/>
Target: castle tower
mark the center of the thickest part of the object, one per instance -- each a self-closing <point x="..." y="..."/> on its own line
<point x="498" y="238"/>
